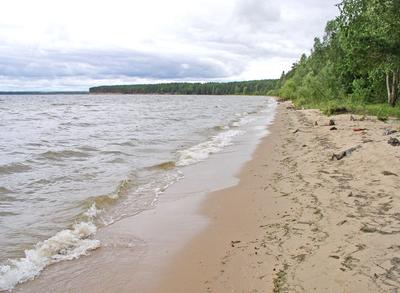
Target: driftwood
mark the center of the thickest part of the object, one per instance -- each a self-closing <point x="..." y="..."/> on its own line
<point x="345" y="153"/>
<point x="359" y="129"/>
<point x="388" y="173"/>
<point x="394" y="141"/>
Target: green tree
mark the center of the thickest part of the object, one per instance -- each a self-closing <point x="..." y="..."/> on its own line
<point x="370" y="34"/>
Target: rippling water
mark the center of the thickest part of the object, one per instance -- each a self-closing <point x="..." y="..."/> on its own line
<point x="70" y="164"/>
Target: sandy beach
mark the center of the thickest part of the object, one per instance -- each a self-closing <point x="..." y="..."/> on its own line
<point x="300" y="221"/>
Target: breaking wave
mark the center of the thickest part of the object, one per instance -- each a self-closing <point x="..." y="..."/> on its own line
<point x="65" y="245"/>
<point x="202" y="151"/>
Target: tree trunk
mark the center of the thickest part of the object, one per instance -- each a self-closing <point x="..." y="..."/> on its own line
<point x="392" y="84"/>
<point x="388" y="86"/>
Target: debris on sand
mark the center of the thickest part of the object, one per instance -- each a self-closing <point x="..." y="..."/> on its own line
<point x="367" y="229"/>
<point x="297" y="130"/>
<point x="345" y="153"/>
<point x="388" y="173"/>
<point x="331" y="122"/>
<point x="333" y="128"/>
<point x="367" y="140"/>
<point x="357" y="119"/>
<point x="389" y="132"/>
<point x="394" y="141"/>
<point x="359" y="129"/>
<point x="233" y="243"/>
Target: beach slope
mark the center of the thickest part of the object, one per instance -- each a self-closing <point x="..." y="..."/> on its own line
<point x="301" y="219"/>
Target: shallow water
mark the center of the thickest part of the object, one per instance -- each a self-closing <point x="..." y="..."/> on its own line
<point x="72" y="164"/>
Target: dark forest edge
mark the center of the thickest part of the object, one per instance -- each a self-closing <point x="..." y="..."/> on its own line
<point x="254" y="87"/>
<point x="356" y="65"/>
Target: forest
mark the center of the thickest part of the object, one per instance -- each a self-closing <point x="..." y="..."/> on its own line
<point x="355" y="67"/>
<point x="255" y="87"/>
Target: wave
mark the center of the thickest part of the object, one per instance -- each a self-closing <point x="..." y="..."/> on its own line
<point x="126" y="143"/>
<point x="59" y="155"/>
<point x="202" y="151"/>
<point x="221" y="127"/>
<point x="4" y="190"/>
<point x="116" y="153"/>
<point x="59" y="104"/>
<point x="103" y="201"/>
<point x="65" y="245"/>
<point x="164" y="166"/>
<point x="216" y="143"/>
<point x="13" y="168"/>
<point x="88" y="149"/>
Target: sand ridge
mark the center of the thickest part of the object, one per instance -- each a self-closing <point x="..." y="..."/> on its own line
<point x="299" y="221"/>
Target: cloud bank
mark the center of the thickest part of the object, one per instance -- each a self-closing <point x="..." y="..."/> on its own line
<point x="71" y="46"/>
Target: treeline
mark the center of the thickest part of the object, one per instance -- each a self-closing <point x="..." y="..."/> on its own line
<point x="255" y="87"/>
<point x="357" y="62"/>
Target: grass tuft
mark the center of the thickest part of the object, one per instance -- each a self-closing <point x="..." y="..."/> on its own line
<point x="333" y="107"/>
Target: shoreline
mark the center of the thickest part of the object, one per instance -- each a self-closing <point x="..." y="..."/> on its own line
<point x="299" y="221"/>
<point x="292" y="220"/>
<point x="135" y="250"/>
<point x="209" y="262"/>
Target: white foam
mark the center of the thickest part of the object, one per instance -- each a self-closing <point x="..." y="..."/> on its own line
<point x="65" y="245"/>
<point x="202" y="151"/>
<point x="92" y="212"/>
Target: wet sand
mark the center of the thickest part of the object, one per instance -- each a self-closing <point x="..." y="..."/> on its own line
<point x="299" y="221"/>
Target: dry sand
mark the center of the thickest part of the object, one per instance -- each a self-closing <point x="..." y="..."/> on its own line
<point x="299" y="221"/>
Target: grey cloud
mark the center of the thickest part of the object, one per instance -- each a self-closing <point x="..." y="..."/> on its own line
<point x="51" y="64"/>
<point x="253" y="30"/>
<point x="264" y="28"/>
<point x="256" y="13"/>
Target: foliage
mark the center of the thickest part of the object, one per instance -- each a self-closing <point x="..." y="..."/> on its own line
<point x="356" y="64"/>
<point x="255" y="87"/>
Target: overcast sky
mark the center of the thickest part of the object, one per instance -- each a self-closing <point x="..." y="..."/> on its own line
<point x="75" y="44"/>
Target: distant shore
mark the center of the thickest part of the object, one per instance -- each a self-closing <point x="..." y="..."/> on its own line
<point x="299" y="221"/>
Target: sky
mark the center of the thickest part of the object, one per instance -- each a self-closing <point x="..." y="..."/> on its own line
<point x="76" y="44"/>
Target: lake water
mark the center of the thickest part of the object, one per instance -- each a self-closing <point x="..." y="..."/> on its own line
<point x="72" y="164"/>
